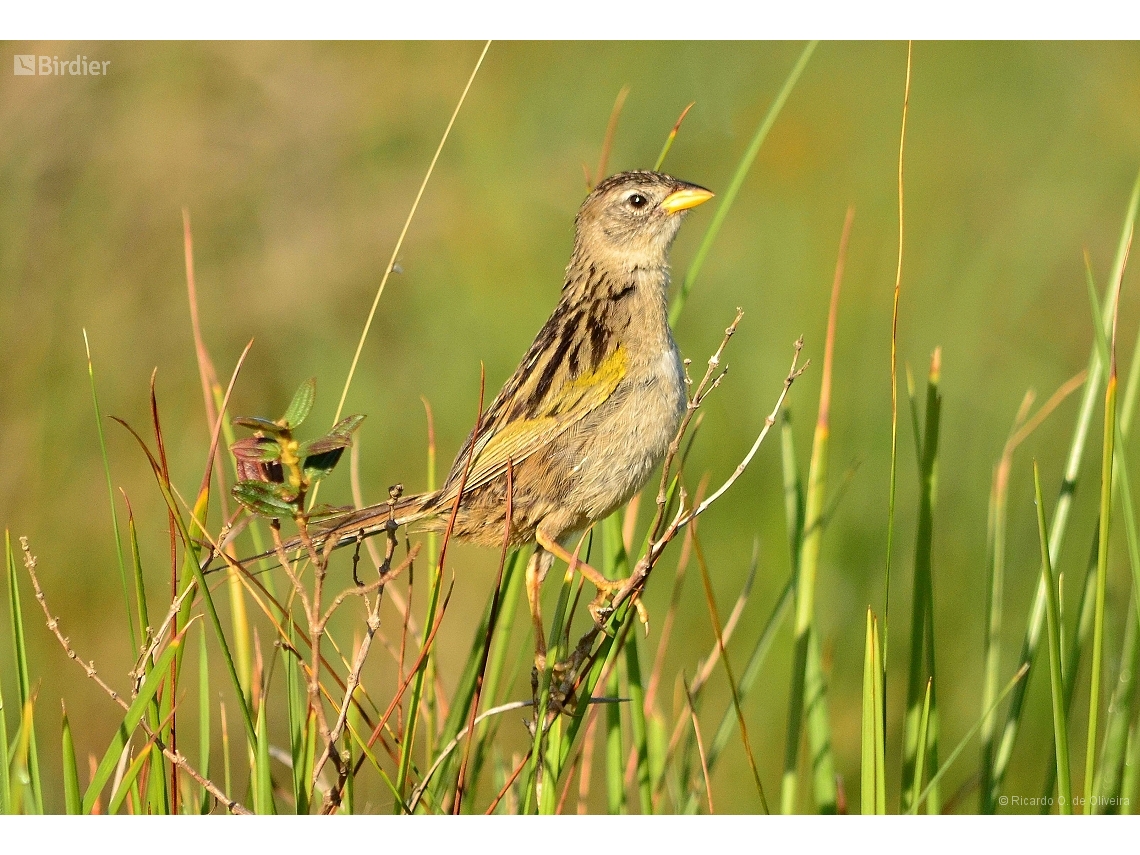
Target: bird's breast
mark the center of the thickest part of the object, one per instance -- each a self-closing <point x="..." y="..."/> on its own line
<point x="614" y="456"/>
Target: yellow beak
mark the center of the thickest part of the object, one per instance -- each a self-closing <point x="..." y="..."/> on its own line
<point x="682" y="200"/>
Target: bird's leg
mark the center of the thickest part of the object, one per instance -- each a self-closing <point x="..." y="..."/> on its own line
<point x="606" y="587"/>
<point x="536" y="570"/>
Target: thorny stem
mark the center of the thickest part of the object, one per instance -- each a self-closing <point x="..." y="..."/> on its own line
<point x="372" y="624"/>
<point x="173" y="755"/>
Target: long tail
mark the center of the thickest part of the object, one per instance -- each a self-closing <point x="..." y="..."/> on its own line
<point x="366" y="522"/>
<point x="353" y="526"/>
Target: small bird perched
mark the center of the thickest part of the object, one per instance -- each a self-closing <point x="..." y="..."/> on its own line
<point x="592" y="407"/>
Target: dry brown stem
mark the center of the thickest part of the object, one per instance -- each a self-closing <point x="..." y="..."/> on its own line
<point x="173" y="755"/>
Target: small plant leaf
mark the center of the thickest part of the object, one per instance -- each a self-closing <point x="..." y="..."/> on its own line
<point x="301" y="404"/>
<point x="258" y="449"/>
<point x="329" y="442"/>
<point x="339" y="437"/>
<point x="348" y="425"/>
<point x="317" y="466"/>
<point x="266" y="500"/>
<point x="257" y="423"/>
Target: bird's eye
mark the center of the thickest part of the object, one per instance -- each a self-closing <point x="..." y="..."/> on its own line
<point x="636" y="200"/>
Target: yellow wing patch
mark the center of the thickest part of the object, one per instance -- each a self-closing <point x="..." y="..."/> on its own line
<point x="566" y="406"/>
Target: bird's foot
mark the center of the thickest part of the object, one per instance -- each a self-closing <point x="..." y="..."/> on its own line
<point x="602" y="606"/>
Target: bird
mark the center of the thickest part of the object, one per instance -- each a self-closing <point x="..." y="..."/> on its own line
<point x="589" y="412"/>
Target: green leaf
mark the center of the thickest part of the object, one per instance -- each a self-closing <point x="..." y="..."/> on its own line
<point x="266" y="500"/>
<point x="258" y="449"/>
<point x="23" y="679"/>
<point x="873" y="763"/>
<point x="317" y="466"/>
<point x="129" y="778"/>
<point x="339" y="437"/>
<point x="1056" y="681"/>
<point x="258" y="423"/>
<point x="348" y="425"/>
<point x="71" y="798"/>
<point x="301" y="404"/>
<point x="323" y="445"/>
<point x="263" y="781"/>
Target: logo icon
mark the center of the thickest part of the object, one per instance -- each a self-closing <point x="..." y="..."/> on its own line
<point x="24" y="63"/>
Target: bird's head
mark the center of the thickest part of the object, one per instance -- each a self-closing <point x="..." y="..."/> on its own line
<point x="630" y="219"/>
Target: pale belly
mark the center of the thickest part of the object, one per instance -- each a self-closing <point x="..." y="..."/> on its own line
<point x="627" y="440"/>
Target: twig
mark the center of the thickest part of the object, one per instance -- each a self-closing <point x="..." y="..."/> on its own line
<point x="173" y="756"/>
<point x="372" y="624"/>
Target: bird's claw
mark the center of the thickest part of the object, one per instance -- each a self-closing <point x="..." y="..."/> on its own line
<point x="601" y="609"/>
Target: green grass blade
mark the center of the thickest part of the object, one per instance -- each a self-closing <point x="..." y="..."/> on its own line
<point x="872" y="791"/>
<point x="136" y="564"/>
<point x="1056" y="681"/>
<point x="23" y="793"/>
<point x="1119" y="711"/>
<point x="923" y="732"/>
<point x="111" y="497"/>
<point x="1101" y="574"/>
<point x="408" y="740"/>
<point x="1059" y="524"/>
<point x="808" y="700"/>
<point x="996" y="519"/>
<point x="227" y="767"/>
<point x="823" y="776"/>
<point x="793" y="490"/>
<point x="263" y="780"/>
<point x="1110" y="774"/>
<point x="204" y="709"/>
<point x="23" y="677"/>
<point x="868" y="748"/>
<point x="922" y="623"/>
<point x="513" y="594"/>
<point x="672" y="136"/>
<point x="639" y="730"/>
<point x="72" y="801"/>
<point x="615" y="565"/>
<point x="551" y="751"/>
<point x="129" y="780"/>
<point x="131" y="721"/>
<point x="742" y="169"/>
<point x="464" y="694"/>
<point x="936" y="777"/>
<point x="192" y="573"/>
<point x="1072" y="649"/>
<point x="615" y="754"/>
<point x="308" y="759"/>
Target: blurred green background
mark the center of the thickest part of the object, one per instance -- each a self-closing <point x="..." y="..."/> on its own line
<point x="298" y="163"/>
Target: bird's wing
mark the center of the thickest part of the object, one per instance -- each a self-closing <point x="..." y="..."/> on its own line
<point x="563" y="405"/>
